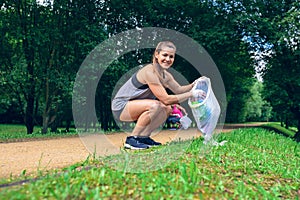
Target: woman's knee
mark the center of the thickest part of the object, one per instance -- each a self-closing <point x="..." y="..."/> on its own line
<point x="158" y="106"/>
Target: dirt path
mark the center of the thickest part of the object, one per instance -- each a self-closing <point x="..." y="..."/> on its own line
<point x="34" y="156"/>
<point x="50" y="154"/>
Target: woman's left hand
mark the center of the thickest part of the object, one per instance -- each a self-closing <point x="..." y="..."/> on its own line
<point x="181" y="108"/>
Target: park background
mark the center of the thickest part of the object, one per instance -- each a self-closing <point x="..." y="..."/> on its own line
<point x="254" y="44"/>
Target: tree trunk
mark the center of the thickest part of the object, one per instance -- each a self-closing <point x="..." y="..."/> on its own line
<point x="54" y="126"/>
<point x="45" y="124"/>
<point x="296" y="111"/>
<point x="297" y="135"/>
<point x="46" y="109"/>
<point x="28" y="48"/>
<point x="287" y="125"/>
<point x="29" y="115"/>
<point x="68" y="125"/>
<point x="29" y="119"/>
<point x="105" y="114"/>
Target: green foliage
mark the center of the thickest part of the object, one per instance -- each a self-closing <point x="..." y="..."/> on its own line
<point x="46" y="52"/>
<point x="251" y="165"/>
<point x="256" y="108"/>
<point x="275" y="28"/>
<point x="217" y="28"/>
<point x="45" y="44"/>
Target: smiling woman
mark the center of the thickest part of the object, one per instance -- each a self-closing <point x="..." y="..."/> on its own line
<point x="143" y="98"/>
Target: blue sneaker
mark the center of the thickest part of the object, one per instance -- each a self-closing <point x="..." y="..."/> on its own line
<point x="148" y="141"/>
<point x="134" y="143"/>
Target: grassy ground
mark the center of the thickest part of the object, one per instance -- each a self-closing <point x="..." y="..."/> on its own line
<point x="254" y="164"/>
<point x="15" y="133"/>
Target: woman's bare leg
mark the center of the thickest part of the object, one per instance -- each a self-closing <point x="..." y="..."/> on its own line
<point x="149" y="114"/>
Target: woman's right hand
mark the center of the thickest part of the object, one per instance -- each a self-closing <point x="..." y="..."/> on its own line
<point x="199" y="94"/>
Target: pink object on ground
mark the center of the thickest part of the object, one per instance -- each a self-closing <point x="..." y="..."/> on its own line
<point x="176" y="112"/>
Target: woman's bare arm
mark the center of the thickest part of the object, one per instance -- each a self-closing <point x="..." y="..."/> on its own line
<point x="150" y="77"/>
<point x="175" y="87"/>
<point x="160" y="92"/>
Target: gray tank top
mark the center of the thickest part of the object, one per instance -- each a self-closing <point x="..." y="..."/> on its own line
<point x="131" y="90"/>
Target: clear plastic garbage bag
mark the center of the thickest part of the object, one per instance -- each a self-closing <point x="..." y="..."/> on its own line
<point x="185" y="121"/>
<point x="205" y="111"/>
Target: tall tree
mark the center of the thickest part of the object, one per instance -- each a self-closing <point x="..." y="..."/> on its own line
<point x="216" y="25"/>
<point x="19" y="32"/>
<point x="47" y="44"/>
<point x="279" y="30"/>
<point x="78" y="33"/>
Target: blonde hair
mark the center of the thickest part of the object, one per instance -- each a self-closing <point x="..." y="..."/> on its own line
<point x="160" y="46"/>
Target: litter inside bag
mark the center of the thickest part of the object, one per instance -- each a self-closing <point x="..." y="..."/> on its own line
<point x="205" y="111"/>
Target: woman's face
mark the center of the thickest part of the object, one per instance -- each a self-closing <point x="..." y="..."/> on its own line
<point x="165" y="57"/>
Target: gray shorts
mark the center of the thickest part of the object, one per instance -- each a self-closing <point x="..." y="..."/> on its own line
<point x="117" y="114"/>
